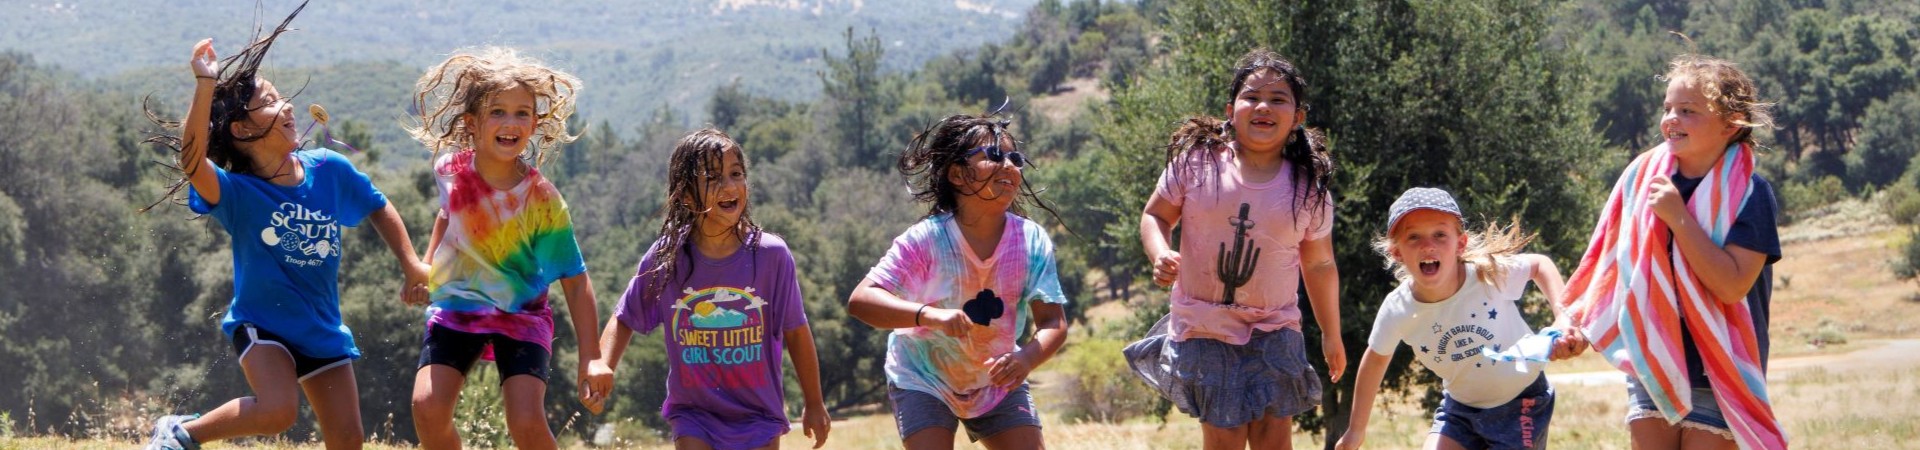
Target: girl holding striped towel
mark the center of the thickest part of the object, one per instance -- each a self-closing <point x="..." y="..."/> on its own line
<point x="1674" y="289"/>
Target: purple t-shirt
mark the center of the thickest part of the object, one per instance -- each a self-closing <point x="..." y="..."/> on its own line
<point x="724" y="327"/>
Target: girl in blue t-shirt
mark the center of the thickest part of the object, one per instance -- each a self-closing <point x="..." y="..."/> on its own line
<point x="284" y="208"/>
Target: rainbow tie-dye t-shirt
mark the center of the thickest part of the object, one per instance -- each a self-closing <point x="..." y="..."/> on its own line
<point x="932" y="264"/>
<point x="499" y="253"/>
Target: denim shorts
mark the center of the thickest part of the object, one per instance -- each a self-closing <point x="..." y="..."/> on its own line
<point x="914" y="411"/>
<point x="459" y="350"/>
<point x="1705" y="415"/>
<point x="248" y="337"/>
<point x="1521" y="423"/>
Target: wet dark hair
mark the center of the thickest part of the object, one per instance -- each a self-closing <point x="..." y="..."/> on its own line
<point x="1306" y="147"/>
<point x="943" y="146"/>
<point x="233" y="88"/>
<point x="696" y="155"/>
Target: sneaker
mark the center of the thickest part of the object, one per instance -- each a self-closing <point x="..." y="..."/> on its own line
<point x="169" y="435"/>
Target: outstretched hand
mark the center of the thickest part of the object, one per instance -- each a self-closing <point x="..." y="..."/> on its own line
<point x="414" y="292"/>
<point x="204" y="63"/>
<point x="1572" y="343"/>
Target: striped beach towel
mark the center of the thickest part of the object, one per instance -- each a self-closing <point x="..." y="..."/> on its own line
<point x="1633" y="289"/>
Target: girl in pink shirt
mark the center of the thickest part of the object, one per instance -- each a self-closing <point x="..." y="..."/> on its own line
<point x="1250" y="195"/>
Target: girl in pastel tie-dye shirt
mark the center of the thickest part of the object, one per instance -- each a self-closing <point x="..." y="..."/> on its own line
<point x="502" y="236"/>
<point x="959" y="287"/>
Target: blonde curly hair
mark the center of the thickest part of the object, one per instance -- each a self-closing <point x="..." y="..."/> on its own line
<point x="1730" y="93"/>
<point x="467" y="81"/>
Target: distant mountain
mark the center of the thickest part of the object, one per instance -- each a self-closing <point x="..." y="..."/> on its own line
<point x="634" y="56"/>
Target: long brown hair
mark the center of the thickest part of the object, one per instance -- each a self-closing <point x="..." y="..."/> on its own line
<point x="234" y="86"/>
<point x="696" y="155"/>
<point x="1306" y="147"/>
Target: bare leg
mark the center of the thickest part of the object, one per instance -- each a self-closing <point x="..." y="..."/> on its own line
<point x="1016" y="438"/>
<point x="525" y="397"/>
<point x="335" y="396"/>
<point x="272" y="409"/>
<point x="1271" y="432"/>
<point x="1653" y="433"/>
<point x="436" y="388"/>
<point x="1216" y="438"/>
<point x="1436" y="441"/>
<point x="930" y="438"/>
<point x="1697" y="439"/>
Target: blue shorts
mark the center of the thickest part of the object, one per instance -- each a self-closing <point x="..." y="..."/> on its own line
<point x="1521" y="423"/>
<point x="459" y="350"/>
<point x="1705" y="415"/>
<point x="248" y="337"/>
<point x="914" y="411"/>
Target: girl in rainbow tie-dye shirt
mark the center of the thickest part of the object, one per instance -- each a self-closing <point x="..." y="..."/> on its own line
<point x="502" y="236"/>
<point x="959" y="287"/>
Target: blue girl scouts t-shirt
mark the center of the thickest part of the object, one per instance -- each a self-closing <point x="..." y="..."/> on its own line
<point x="286" y="249"/>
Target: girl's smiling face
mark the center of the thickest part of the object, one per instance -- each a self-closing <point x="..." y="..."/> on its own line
<point x="269" y="123"/>
<point x="723" y="191"/>
<point x="984" y="182"/>
<point x="504" y="124"/>
<point x="1428" y="243"/>
<point x="1691" y="129"/>
<point x="1264" y="112"/>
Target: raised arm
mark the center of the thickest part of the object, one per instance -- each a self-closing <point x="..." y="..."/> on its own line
<point x="193" y="132"/>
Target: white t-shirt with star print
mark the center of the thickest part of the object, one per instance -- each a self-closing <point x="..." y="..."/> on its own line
<point x="1447" y="336"/>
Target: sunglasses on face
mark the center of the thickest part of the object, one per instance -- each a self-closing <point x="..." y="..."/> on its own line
<point x="996" y="155"/>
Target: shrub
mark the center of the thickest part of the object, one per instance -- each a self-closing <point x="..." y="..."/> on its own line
<point x="1101" y="385"/>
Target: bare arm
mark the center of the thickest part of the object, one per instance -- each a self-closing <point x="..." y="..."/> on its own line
<point x="806" y="365"/>
<point x="193" y="132"/>
<point x="1728" y="272"/>
<point x="580" y="307"/>
<point x="1050" y="321"/>
<point x="387" y="222"/>
<point x="882" y="309"/>
<point x="599" y="382"/>
<point x="1156" y="236"/>
<point x="1322" y="279"/>
<point x="1573" y="340"/>
<point x="1373" y="367"/>
<point x="439" y="231"/>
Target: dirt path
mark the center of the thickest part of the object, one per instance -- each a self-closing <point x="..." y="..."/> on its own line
<point x="1873" y="355"/>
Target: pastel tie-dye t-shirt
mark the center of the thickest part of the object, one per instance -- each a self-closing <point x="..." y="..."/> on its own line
<point x="499" y="253"/>
<point x="932" y="264"/>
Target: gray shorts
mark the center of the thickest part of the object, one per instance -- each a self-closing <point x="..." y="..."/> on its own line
<point x="1226" y="385"/>
<point x="914" y="411"/>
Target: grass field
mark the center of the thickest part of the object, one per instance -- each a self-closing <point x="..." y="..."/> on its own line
<point x="1845" y="372"/>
